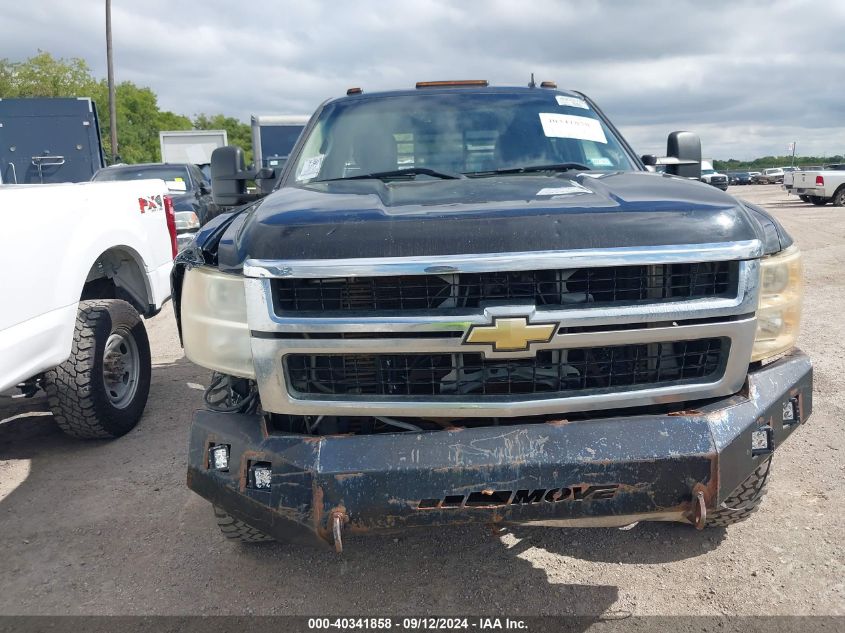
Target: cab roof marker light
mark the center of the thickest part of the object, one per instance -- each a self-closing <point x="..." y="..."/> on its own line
<point x="548" y="84"/>
<point x="354" y="91"/>
<point x="458" y="82"/>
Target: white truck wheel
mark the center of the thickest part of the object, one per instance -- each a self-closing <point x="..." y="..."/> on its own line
<point x="102" y="389"/>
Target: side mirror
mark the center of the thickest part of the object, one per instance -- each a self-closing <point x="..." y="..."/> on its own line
<point x="229" y="177"/>
<point x="685" y="147"/>
<point x="649" y="160"/>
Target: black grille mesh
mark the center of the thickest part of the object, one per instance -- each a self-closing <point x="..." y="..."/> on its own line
<point x="543" y="288"/>
<point x="549" y="372"/>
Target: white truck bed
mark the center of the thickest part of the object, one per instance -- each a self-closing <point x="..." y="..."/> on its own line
<point x="58" y="237"/>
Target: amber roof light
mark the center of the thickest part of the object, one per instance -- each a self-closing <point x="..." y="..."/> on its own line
<point x="354" y="91"/>
<point x="549" y="84"/>
<point x="459" y="82"/>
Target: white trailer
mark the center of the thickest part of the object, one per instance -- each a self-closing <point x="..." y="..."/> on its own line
<point x="190" y="146"/>
<point x="273" y="137"/>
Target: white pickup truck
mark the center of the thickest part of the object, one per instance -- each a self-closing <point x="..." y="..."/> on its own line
<point x="81" y="263"/>
<point x="821" y="186"/>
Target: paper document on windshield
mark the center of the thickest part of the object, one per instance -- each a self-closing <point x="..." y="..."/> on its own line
<point x="572" y="126"/>
<point x="311" y="167"/>
<point x="176" y="185"/>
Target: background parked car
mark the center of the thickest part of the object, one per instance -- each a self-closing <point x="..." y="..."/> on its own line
<point x="713" y="177"/>
<point x="771" y="176"/>
<point x="188" y="188"/>
<point x="739" y="178"/>
<point x="755" y="177"/>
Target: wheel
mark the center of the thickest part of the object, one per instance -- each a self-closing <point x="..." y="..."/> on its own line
<point x="101" y="390"/>
<point x="818" y="201"/>
<point x="839" y="198"/>
<point x="236" y="530"/>
<point x="804" y="198"/>
<point x="743" y="501"/>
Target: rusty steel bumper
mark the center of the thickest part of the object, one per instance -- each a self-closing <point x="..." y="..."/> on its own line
<point x="598" y="472"/>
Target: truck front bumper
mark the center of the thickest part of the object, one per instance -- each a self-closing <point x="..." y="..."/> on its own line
<point x="608" y="471"/>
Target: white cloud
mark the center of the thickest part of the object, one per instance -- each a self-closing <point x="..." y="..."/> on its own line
<point x="748" y="76"/>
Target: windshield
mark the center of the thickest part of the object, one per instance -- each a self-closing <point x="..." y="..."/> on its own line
<point x="175" y="176"/>
<point x="456" y="133"/>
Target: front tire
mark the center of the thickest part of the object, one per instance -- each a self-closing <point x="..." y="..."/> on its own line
<point x="101" y="390"/>
<point x="743" y="501"/>
<point x="238" y="531"/>
<point x="818" y="201"/>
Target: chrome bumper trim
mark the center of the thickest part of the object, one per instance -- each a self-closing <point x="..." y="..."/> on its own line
<point x="492" y="262"/>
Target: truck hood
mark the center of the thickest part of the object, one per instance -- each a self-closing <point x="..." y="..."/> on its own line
<point x="508" y="213"/>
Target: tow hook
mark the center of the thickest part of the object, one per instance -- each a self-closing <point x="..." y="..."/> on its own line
<point x="699" y="514"/>
<point x="337" y="520"/>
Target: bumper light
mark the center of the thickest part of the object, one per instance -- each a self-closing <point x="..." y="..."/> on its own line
<point x="259" y="475"/>
<point x="788" y="411"/>
<point x="761" y="440"/>
<point x="779" y="310"/>
<point x="791" y="412"/>
<point x="215" y="333"/>
<point x="218" y="457"/>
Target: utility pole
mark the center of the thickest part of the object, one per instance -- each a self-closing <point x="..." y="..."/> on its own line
<point x="112" y="105"/>
<point x="793" y="153"/>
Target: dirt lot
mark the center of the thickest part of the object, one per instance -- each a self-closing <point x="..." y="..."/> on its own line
<point x="110" y="528"/>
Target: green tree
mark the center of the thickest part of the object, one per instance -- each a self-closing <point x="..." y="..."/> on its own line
<point x="6" y="78"/>
<point x="237" y="132"/>
<point x="139" y="119"/>
<point x="45" y="76"/>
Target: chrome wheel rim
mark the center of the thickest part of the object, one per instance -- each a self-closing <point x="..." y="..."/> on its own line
<point x="121" y="369"/>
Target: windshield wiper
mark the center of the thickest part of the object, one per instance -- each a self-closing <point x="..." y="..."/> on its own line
<point x="398" y="173"/>
<point x="533" y="168"/>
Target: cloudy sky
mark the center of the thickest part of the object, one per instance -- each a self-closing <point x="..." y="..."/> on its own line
<point x="749" y="76"/>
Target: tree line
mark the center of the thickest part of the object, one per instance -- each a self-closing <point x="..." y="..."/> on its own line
<point x="759" y="164"/>
<point x="139" y="118"/>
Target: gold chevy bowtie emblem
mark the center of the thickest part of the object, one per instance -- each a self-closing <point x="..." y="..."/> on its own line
<point x="511" y="334"/>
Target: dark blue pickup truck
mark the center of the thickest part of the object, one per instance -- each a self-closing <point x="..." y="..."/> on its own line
<point x="462" y="303"/>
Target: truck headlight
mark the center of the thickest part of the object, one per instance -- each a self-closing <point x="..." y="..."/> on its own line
<point x="779" y="310"/>
<point x="215" y="333"/>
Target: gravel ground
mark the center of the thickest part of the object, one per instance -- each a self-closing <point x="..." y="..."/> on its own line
<point x="110" y="528"/>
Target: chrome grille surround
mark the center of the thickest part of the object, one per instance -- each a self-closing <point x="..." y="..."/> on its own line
<point x="275" y="335"/>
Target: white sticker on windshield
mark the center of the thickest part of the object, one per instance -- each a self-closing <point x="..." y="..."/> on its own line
<point x="574" y="188"/>
<point x="572" y="102"/>
<point x="571" y="126"/>
<point x="601" y="161"/>
<point x="176" y="185"/>
<point x="311" y="167"/>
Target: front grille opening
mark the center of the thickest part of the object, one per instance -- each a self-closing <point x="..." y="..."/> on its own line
<point x="543" y="288"/>
<point x="462" y="375"/>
